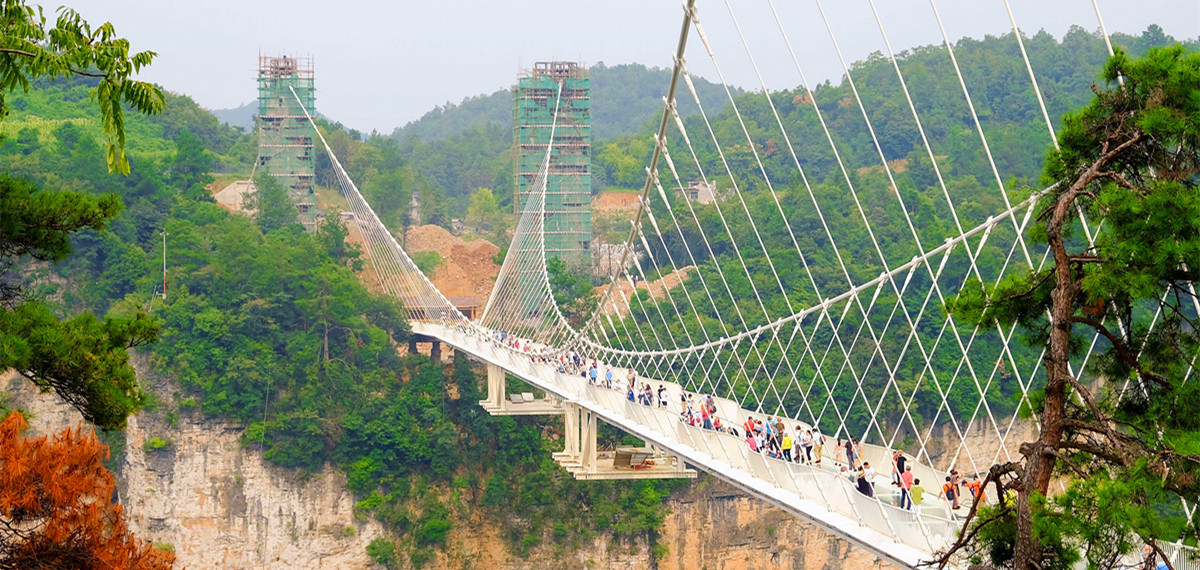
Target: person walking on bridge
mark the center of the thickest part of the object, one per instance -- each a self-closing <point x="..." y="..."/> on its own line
<point x="806" y="441"/>
<point x="950" y="493"/>
<point x="898" y="461"/>
<point x="818" y="444"/>
<point x="916" y="496"/>
<point x="864" y="484"/>
<point x="851" y="458"/>
<point x="906" y="485"/>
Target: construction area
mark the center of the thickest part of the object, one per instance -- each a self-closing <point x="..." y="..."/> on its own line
<point x="285" y="136"/>
<point x="569" y="179"/>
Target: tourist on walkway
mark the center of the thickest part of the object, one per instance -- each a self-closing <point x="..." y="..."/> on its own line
<point x="916" y="495"/>
<point x="906" y="484"/>
<point x="949" y="492"/>
<point x="864" y="485"/>
<point x="806" y="441"/>
<point x="787" y="447"/>
<point x="818" y="445"/>
<point x="976" y="488"/>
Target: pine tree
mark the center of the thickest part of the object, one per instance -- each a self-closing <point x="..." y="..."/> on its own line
<point x="1128" y="443"/>
<point x="56" y="507"/>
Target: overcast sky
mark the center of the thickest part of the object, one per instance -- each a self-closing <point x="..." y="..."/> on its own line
<point x="382" y="64"/>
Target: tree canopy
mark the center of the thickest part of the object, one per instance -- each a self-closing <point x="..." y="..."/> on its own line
<point x="55" y="501"/>
<point x="1130" y="442"/>
<point x="83" y="359"/>
<point x="72" y="47"/>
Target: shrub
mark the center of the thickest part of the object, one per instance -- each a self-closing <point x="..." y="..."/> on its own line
<point x="383" y="552"/>
<point x="156" y="443"/>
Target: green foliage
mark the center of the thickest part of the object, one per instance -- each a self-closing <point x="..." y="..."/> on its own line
<point x="84" y="359"/>
<point x="156" y="443"/>
<point x="332" y="233"/>
<point x="573" y="292"/>
<point x="30" y="50"/>
<point x="1129" y="158"/>
<point x="427" y="261"/>
<point x="273" y="208"/>
<point x="383" y="552"/>
<point x="191" y="167"/>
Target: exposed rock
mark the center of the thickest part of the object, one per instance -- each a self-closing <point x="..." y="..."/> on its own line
<point x="221" y="506"/>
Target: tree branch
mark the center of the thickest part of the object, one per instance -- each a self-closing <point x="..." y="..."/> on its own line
<point x="17" y="52"/>
<point x="1122" y="349"/>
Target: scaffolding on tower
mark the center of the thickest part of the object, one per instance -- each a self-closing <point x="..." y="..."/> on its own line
<point x="568" y="179"/>
<point x="285" y="136"/>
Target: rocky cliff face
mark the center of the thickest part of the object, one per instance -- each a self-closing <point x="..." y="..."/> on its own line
<point x="219" y="505"/>
<point x="710" y="526"/>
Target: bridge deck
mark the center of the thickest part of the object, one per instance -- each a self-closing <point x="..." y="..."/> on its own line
<point x="819" y="495"/>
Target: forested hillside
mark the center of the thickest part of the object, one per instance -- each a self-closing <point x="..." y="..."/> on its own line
<point x="268" y="325"/>
<point x="1018" y="137"/>
<point x="624" y="97"/>
<point x="240" y="116"/>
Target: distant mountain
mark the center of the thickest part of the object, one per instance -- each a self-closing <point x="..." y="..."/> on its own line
<point x="240" y="116"/>
<point x="624" y="97"/>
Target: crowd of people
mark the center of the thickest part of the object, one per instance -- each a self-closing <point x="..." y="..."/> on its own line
<point x="770" y="437"/>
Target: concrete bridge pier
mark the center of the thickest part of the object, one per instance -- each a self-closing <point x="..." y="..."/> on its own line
<point x="581" y="457"/>
<point x="435" y="345"/>
<point x="500" y="403"/>
<point x="571" y="453"/>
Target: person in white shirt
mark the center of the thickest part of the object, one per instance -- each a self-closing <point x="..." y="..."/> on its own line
<point x="806" y="441"/>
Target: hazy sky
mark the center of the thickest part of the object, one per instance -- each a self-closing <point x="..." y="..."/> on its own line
<point x="382" y="64"/>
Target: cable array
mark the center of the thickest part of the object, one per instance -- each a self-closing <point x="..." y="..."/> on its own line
<point x="781" y="296"/>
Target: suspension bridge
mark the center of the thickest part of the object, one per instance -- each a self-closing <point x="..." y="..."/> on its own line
<point x="825" y="325"/>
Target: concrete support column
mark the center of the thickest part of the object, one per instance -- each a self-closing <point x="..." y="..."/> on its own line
<point x="412" y="345"/>
<point x="495" y="384"/>
<point x="571" y="431"/>
<point x="435" y="351"/>
<point x="589" y="441"/>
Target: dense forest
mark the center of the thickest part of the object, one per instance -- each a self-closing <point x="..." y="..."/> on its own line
<point x="267" y="325"/>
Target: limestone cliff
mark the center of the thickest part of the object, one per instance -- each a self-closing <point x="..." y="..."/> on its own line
<point x="219" y="505"/>
<point x="710" y="526"/>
